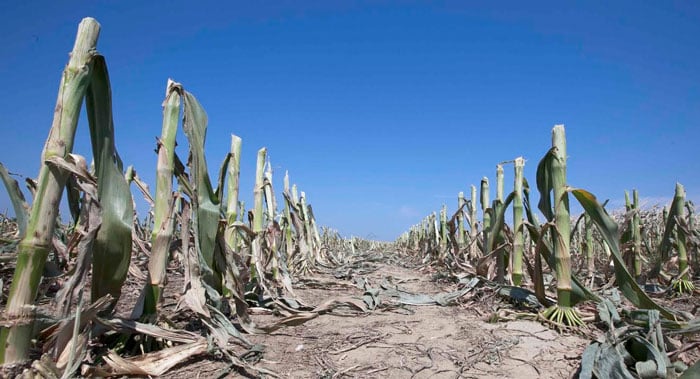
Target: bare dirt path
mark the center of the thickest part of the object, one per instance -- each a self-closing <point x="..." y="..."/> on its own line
<point x="405" y="341"/>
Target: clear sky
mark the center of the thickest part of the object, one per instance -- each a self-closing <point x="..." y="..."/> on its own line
<point x="381" y="111"/>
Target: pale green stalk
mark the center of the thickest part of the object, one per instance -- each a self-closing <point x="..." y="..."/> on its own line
<point x="241" y="211"/>
<point x="163" y="224"/>
<point x="34" y="248"/>
<point x="258" y="193"/>
<point x="680" y="234"/>
<point x="500" y="256"/>
<point x="314" y="231"/>
<point x="562" y="218"/>
<point x="590" y="255"/>
<point x="307" y="219"/>
<point x="460" y="219"/>
<point x="486" y="223"/>
<point x="691" y="228"/>
<point x="234" y="174"/>
<point x="289" y="238"/>
<point x="435" y="230"/>
<point x="443" y="229"/>
<point x="499" y="182"/>
<point x="271" y="207"/>
<point x="473" y="224"/>
<point x="552" y="180"/>
<point x="271" y="202"/>
<point x="629" y="258"/>
<point x="314" y="227"/>
<point x="518" y="238"/>
<point x="258" y="207"/>
<point x="636" y="236"/>
<point x="295" y="194"/>
<point x="311" y="254"/>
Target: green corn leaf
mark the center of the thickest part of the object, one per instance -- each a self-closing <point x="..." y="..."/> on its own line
<point x="666" y="241"/>
<point x="545" y="185"/>
<point x="73" y="197"/>
<point x="643" y="351"/>
<point x="610" y="363"/>
<point x="692" y="372"/>
<point x="579" y="292"/>
<point x="608" y="229"/>
<point x="588" y="361"/>
<point x="205" y="202"/>
<point x="112" y="249"/>
<point x="233" y="172"/>
<point x="498" y="220"/>
<point x="223" y="170"/>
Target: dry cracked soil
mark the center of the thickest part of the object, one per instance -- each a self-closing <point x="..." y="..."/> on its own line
<point x="405" y="341"/>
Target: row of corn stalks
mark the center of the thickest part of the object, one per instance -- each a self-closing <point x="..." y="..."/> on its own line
<point x="640" y="250"/>
<point x="625" y="243"/>
<point x="231" y="258"/>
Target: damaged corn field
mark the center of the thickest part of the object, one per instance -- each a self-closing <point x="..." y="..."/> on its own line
<point x="201" y="286"/>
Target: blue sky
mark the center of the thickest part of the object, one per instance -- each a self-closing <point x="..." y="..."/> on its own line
<point x="381" y="111"/>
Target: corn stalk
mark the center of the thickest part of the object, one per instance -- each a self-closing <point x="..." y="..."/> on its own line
<point x="258" y="209"/>
<point x="234" y="174"/>
<point x="683" y="283"/>
<point x="486" y="218"/>
<point x="287" y="223"/>
<point x="164" y="218"/>
<point x="497" y="208"/>
<point x="443" y="233"/>
<point x="473" y="225"/>
<point x="34" y="248"/>
<point x="518" y="237"/>
<point x="636" y="236"/>
<point x="461" y="203"/>
<point x="272" y="227"/>
<point x="551" y="180"/>
<point x="588" y="249"/>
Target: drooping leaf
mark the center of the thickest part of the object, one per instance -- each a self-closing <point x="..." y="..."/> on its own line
<point x="579" y="292"/>
<point x="588" y="361"/>
<point x="643" y="351"/>
<point x="223" y="170"/>
<point x="130" y="326"/>
<point x="497" y="221"/>
<point x="545" y="185"/>
<point x="609" y="231"/>
<point x="205" y="203"/>
<point x="666" y="241"/>
<point x="112" y="249"/>
<point x="610" y="363"/>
